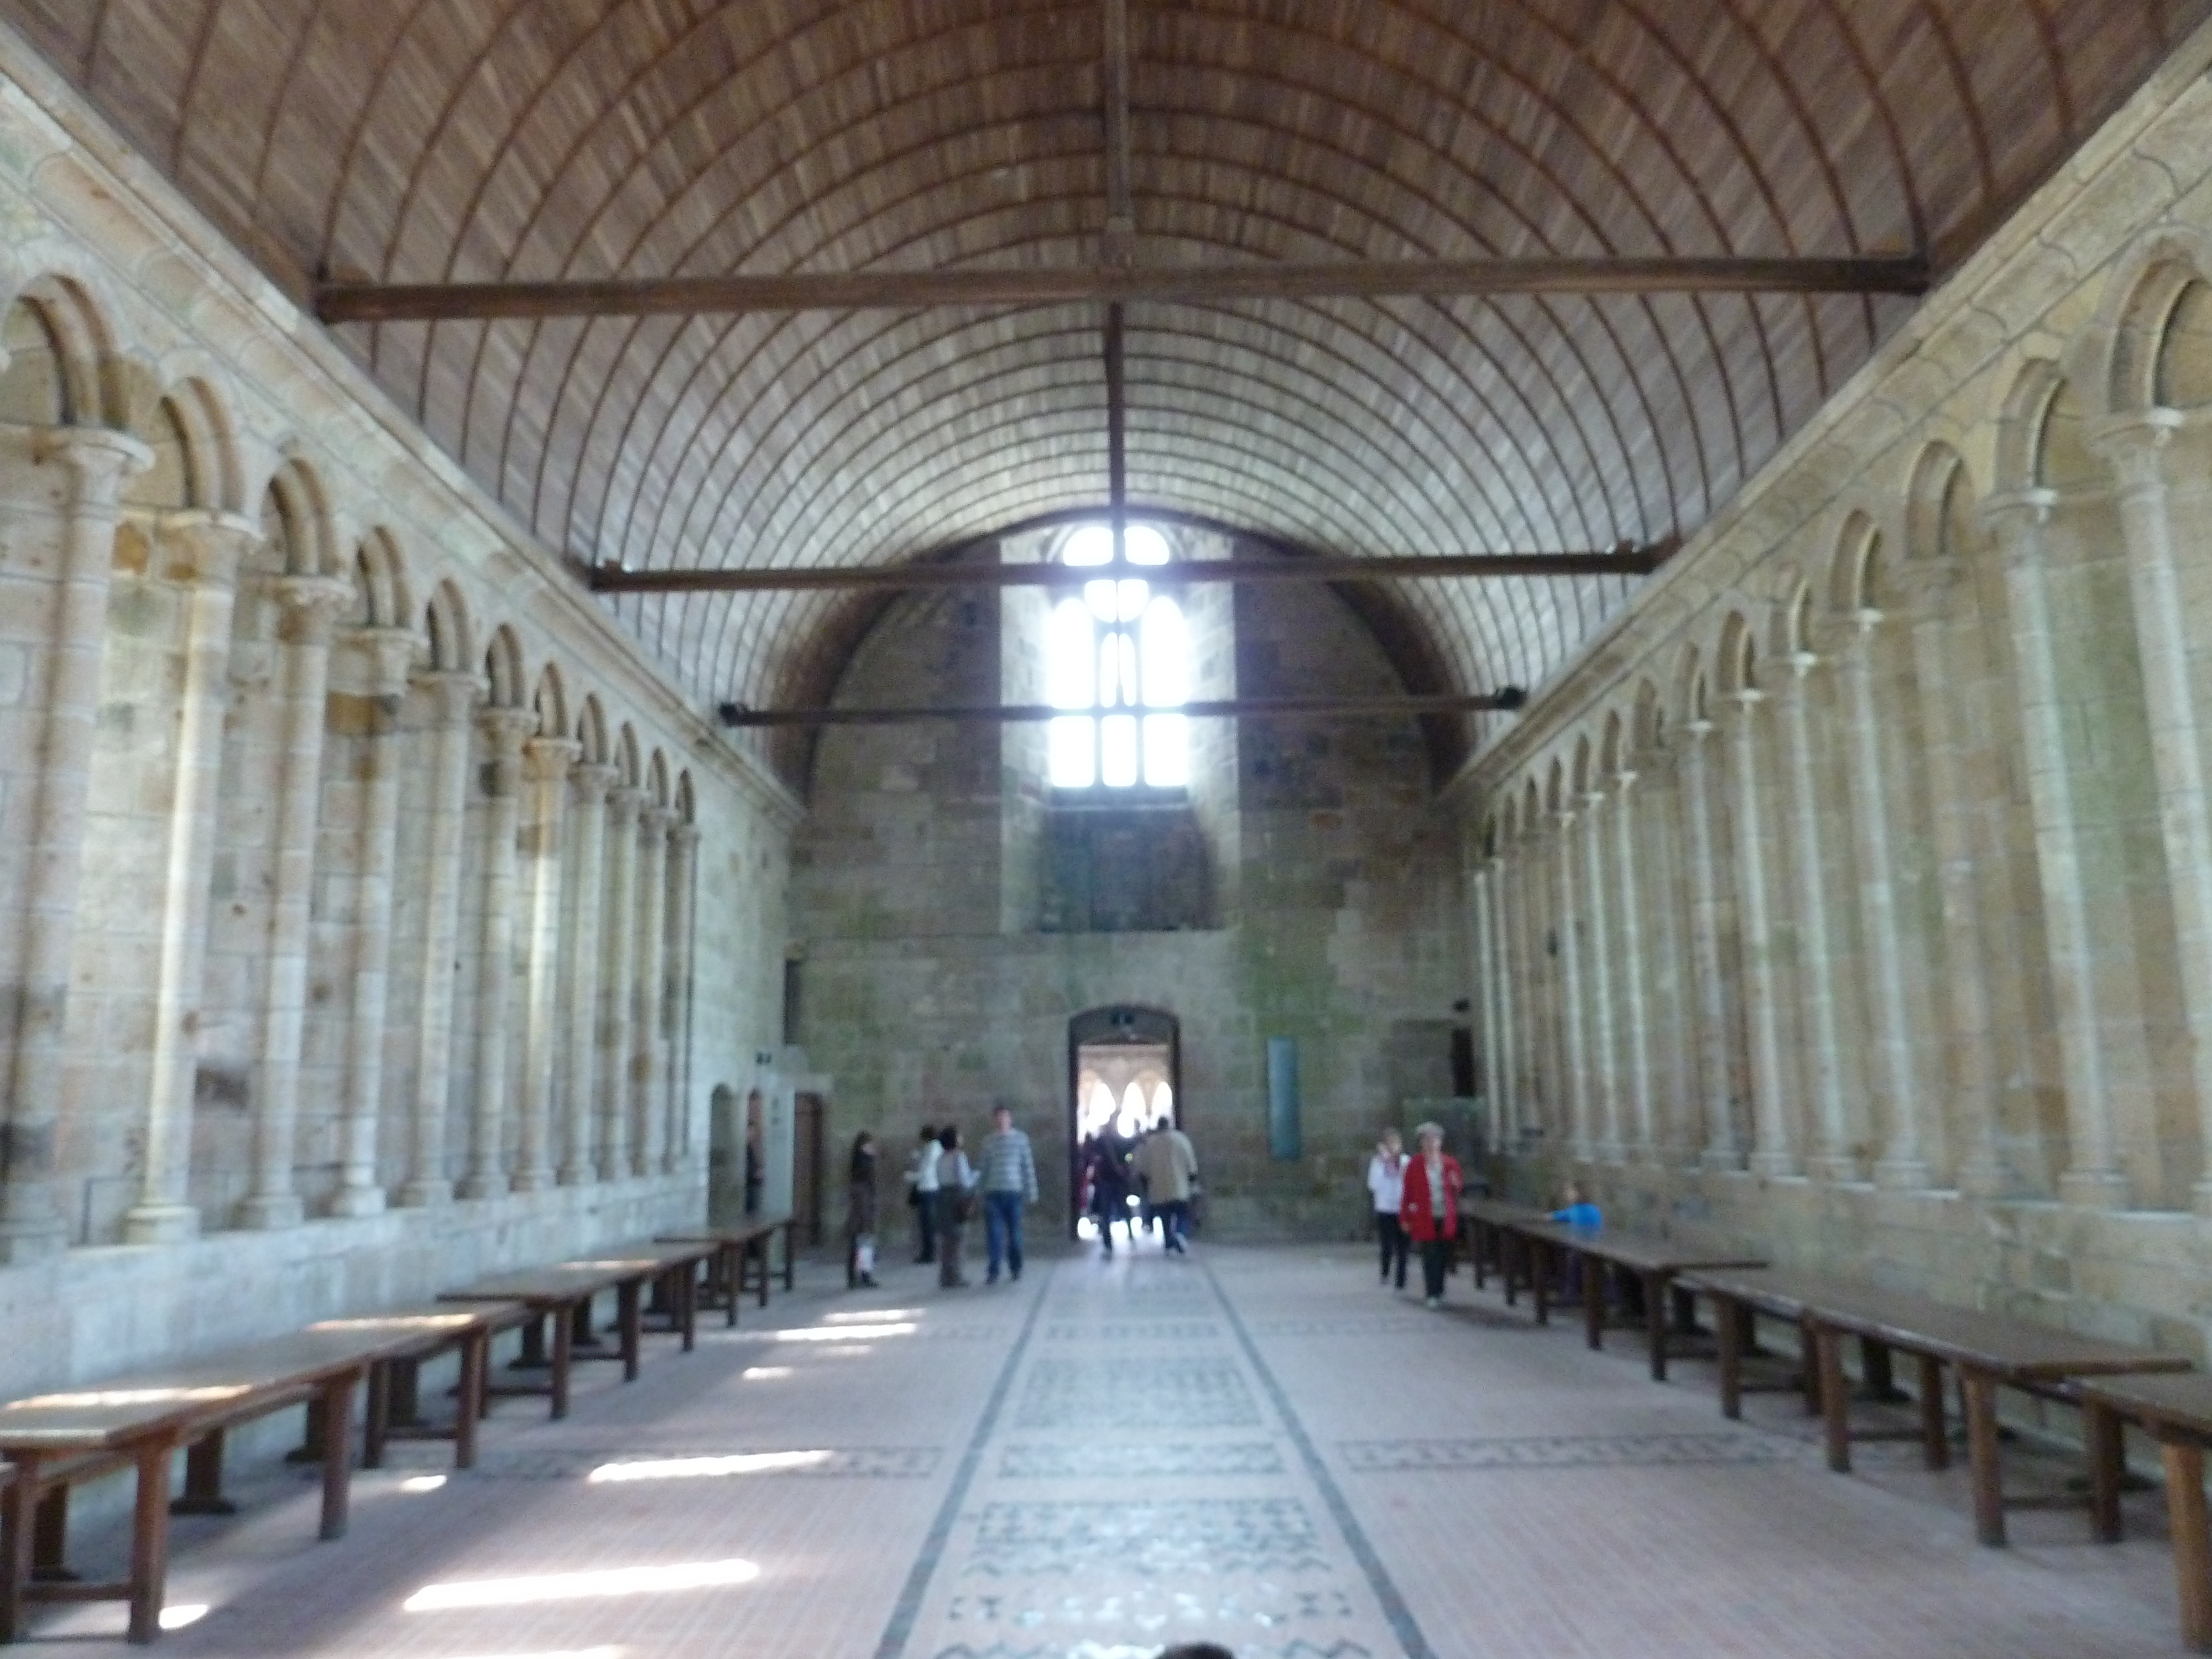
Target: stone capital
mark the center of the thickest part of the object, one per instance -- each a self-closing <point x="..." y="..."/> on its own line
<point x="548" y="760"/>
<point x="682" y="836"/>
<point x="1699" y="730"/>
<point x="308" y="607"/>
<point x="1625" y="780"/>
<point x="100" y="461"/>
<point x="2135" y="445"/>
<point x="654" y="818"/>
<point x="623" y="806"/>
<point x="1747" y="701"/>
<point x="589" y="783"/>
<point x="505" y="729"/>
<point x="2016" y="511"/>
<point x="453" y="693"/>
<point x="389" y="653"/>
<point x="200" y="549"/>
<point x="1594" y="801"/>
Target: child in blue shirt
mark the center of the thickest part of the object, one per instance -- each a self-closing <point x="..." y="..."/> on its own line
<point x="1579" y="1211"/>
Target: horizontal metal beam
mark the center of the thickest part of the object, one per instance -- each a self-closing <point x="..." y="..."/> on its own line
<point x="900" y="578"/>
<point x="1008" y="713"/>
<point x="918" y="290"/>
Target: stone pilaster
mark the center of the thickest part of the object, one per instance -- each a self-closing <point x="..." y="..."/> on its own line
<point x="308" y="607"/>
<point x="98" y="464"/>
<point x="683" y="945"/>
<point x="648" y="973"/>
<point x="388" y="652"/>
<point x="202" y="551"/>
<point x="1490" y="974"/>
<point x="1574" y="1039"/>
<point x="1605" y="1070"/>
<point x="1637" y="1032"/>
<point x="1774" y="1151"/>
<point x="1835" y="1159"/>
<point x="586" y="884"/>
<point x="505" y="730"/>
<point x="454" y="699"/>
<point x="2093" y="1178"/>
<point x="617" y="923"/>
<point x="1722" y="1151"/>
<point x="545" y="765"/>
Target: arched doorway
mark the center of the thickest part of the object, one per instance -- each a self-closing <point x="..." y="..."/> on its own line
<point x="1124" y="1064"/>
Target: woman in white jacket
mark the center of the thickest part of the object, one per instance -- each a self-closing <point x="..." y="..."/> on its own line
<point x="1386" y="1183"/>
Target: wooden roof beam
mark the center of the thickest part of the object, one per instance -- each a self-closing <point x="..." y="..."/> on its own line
<point x="738" y="716"/>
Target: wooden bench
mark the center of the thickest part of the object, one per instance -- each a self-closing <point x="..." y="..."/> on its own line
<point x="2176" y="1411"/>
<point x="1655" y="1263"/>
<point x="54" y="1441"/>
<point x="1487" y="1223"/>
<point x="738" y="1247"/>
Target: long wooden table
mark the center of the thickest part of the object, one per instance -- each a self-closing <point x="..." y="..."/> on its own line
<point x="2176" y="1411"/>
<point x="1987" y="1351"/>
<point x="1655" y="1262"/>
<point x="52" y="1441"/>
<point x="736" y="1248"/>
<point x="1488" y="1223"/>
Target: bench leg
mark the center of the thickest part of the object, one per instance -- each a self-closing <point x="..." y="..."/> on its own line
<point x="1733" y="1344"/>
<point x="337" y="1452"/>
<point x="203" y="1479"/>
<point x="50" y="1538"/>
<point x="532" y="1355"/>
<point x="406" y="1394"/>
<point x="1934" y="1436"/>
<point x="1835" y="1400"/>
<point x="476" y="1355"/>
<point x="1981" y="1394"/>
<point x="729" y="1270"/>
<point x="1876" y="1371"/>
<point x="585" y="1336"/>
<point x="310" y="1449"/>
<point x="791" y="1262"/>
<point x="19" y="1501"/>
<point x="627" y="1300"/>
<point x="2192" y="1541"/>
<point x="149" y="1543"/>
<point x="2100" y="1433"/>
<point x="1478" y="1248"/>
<point x="1509" y="1257"/>
<point x="564" y="1354"/>
<point x="376" y="1426"/>
<point x="1539" y="1279"/>
<point x="1594" y="1275"/>
<point x="687" y="1303"/>
<point x="1655" y="1319"/>
<point x="1809" y="1366"/>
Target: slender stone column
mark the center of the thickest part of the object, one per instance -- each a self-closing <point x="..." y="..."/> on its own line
<point x="504" y="729"/>
<point x="2136" y="448"/>
<point x="1974" y="1072"/>
<point x="545" y="764"/>
<point x="308" y="608"/>
<point x="1638" y="1033"/>
<point x="389" y="650"/>
<point x="617" y="920"/>
<point x="201" y="550"/>
<point x="1485" y="975"/>
<point x="1904" y="1163"/>
<point x="1722" y="1151"/>
<point x="98" y="464"/>
<point x="1576" y="1057"/>
<point x="1670" y="1025"/>
<point x="1527" y="993"/>
<point x="1816" y="976"/>
<point x="1499" y="940"/>
<point x="2093" y="1178"/>
<point x="682" y="943"/>
<point x="454" y="697"/>
<point x="588" y="826"/>
<point x="648" y="984"/>
<point x="1774" y="1152"/>
<point x="1604" y="1048"/>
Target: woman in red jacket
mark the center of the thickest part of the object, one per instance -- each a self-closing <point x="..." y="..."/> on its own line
<point x="1430" y="1213"/>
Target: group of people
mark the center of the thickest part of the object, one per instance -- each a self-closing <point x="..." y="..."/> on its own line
<point x="1159" y="1169"/>
<point x="946" y="1190"/>
<point x="1416" y="1202"/>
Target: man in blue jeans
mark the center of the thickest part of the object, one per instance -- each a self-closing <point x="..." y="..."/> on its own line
<point x="1010" y="1182"/>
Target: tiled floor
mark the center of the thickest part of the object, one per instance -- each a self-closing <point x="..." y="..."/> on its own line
<point x="1259" y="1447"/>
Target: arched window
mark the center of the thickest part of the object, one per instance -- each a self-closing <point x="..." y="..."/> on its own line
<point x="1121" y="647"/>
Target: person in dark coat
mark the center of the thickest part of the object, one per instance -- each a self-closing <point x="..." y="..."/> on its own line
<point x="1109" y="1185"/>
<point x="860" y="1213"/>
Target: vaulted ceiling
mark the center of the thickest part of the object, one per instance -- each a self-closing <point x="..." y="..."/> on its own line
<point x="431" y="141"/>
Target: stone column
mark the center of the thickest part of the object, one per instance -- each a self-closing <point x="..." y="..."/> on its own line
<point x="1670" y="1025"/>
<point x="1497" y="1000"/>
<point x="203" y="551"/>
<point x="648" y="987"/>
<point x="308" y="607"/>
<point x="1638" y="1033"/>
<point x="2093" y="1178"/>
<point x="617" y="920"/>
<point x="1604" y="1049"/>
<point x="545" y="765"/>
<point x="683" y="941"/>
<point x="1774" y="1152"/>
<point x="388" y="650"/>
<point x="1722" y="1151"/>
<point x="1486" y="974"/>
<point x="1816" y="976"/>
<point x="1966" y="965"/>
<point x="454" y="698"/>
<point x="2136" y="447"/>
<point x="1575" y="1057"/>
<point x="581" y="995"/>
<point x="504" y="730"/>
<point x="1904" y="1163"/>
<point x="1519" y="895"/>
<point x="98" y="464"/>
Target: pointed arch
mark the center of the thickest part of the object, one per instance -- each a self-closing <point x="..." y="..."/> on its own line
<point x="2022" y="426"/>
<point x="592" y="732"/>
<point x="1939" y="505"/>
<point x="550" y="701"/>
<point x="503" y="668"/>
<point x="656" y="778"/>
<point x="1736" y="659"/>
<point x="452" y="638"/>
<point x="380" y="572"/>
<point x="1855" y="573"/>
<point x="295" y="522"/>
<point x="626" y="761"/>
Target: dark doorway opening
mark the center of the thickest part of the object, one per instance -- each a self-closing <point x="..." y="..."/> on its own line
<point x="1124" y="1064"/>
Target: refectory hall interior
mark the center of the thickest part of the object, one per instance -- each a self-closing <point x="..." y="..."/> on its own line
<point x="1083" y="829"/>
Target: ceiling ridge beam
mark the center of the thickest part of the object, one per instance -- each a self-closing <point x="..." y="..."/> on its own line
<point x="738" y="716"/>
<point x="919" y="290"/>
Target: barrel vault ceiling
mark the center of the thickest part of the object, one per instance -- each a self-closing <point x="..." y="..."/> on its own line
<point x="429" y="141"/>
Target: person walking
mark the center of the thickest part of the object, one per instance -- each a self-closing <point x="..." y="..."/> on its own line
<point x="1009" y="1183"/>
<point x="955" y="1200"/>
<point x="921" y="1192"/>
<point x="1110" y="1188"/>
<point x="860" y="1213"/>
<point x="1386" y="1184"/>
<point x="1430" y="1212"/>
<point x="1169" y="1166"/>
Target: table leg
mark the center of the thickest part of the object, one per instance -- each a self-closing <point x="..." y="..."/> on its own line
<point x="1835" y="1403"/>
<point x="790" y="1262"/>
<point x="406" y="1394"/>
<point x="476" y="1355"/>
<point x="149" y="1542"/>
<point x="19" y="1500"/>
<point x="1808" y="1369"/>
<point x="1593" y="1278"/>
<point x="729" y="1268"/>
<point x="1511" y="1259"/>
<point x="2100" y="1432"/>
<point x="203" y="1479"/>
<point x="687" y="1303"/>
<point x="2192" y="1541"/>
<point x="1540" y="1278"/>
<point x="1981" y="1392"/>
<point x="626" y="1295"/>
<point x="50" y="1537"/>
<point x="1655" y="1319"/>
<point x="1731" y="1355"/>
<point x="376" y="1423"/>
<point x="564" y="1334"/>
<point x="338" y="1451"/>
<point x="1478" y="1246"/>
<point x="532" y="1355"/>
<point x="584" y="1335"/>
<point x="1934" y="1435"/>
<point x="1878" y="1374"/>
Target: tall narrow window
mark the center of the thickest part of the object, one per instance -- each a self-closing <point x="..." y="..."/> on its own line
<point x="1120" y="654"/>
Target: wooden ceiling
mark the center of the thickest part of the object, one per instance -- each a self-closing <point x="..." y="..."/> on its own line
<point x="445" y="141"/>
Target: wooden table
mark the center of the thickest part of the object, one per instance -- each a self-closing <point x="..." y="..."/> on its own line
<point x="53" y="1440"/>
<point x="1488" y="1224"/>
<point x="735" y="1248"/>
<point x="1741" y="1295"/>
<point x="2176" y="1410"/>
<point x="1656" y="1262"/>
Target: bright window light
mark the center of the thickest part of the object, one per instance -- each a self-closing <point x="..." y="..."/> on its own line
<point x="763" y="1373"/>
<point x="707" y="1469"/>
<point x="579" y="1586"/>
<point x="566" y="1653"/>
<point x="422" y="1483"/>
<point x="873" y="1316"/>
<point x="848" y="1332"/>
<point x="183" y="1613"/>
<point x="1122" y="646"/>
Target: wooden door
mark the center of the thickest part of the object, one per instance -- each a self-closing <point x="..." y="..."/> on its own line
<point x="809" y="1166"/>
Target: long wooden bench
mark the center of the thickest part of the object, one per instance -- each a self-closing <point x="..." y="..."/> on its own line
<point x="738" y="1249"/>
<point x="54" y="1441"/>
<point x="1987" y="1351"/>
<point x="1654" y="1264"/>
<point x="2176" y="1411"/>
